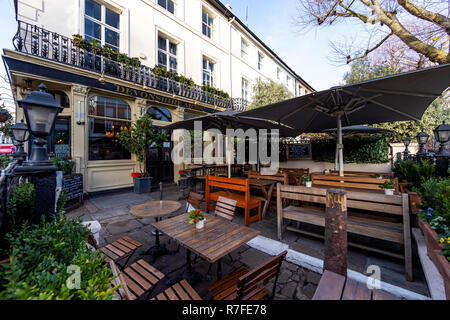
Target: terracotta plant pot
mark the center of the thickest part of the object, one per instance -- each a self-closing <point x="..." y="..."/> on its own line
<point x="431" y="237"/>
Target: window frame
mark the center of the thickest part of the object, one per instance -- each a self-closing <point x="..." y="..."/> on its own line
<point x="278" y="73"/>
<point x="103" y="25"/>
<point x="260" y="61"/>
<point x="244" y="88"/>
<point x="207" y="70"/>
<point x="244" y="53"/>
<point x="210" y="16"/>
<point x="166" y="6"/>
<point x="167" y="53"/>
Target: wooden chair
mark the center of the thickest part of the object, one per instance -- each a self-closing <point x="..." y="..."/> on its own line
<point x="249" y="285"/>
<point x="179" y="291"/>
<point x="195" y="199"/>
<point x="117" y="250"/>
<point x="225" y="208"/>
<point x="137" y="280"/>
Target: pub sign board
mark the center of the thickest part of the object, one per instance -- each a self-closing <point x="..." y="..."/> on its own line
<point x="299" y="151"/>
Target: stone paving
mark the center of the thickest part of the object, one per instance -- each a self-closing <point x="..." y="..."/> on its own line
<point x="294" y="282"/>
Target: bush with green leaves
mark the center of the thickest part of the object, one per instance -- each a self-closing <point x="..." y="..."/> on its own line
<point x="39" y="261"/>
<point x="414" y="172"/>
<point x="5" y="160"/>
<point x="64" y="165"/>
<point x="21" y="207"/>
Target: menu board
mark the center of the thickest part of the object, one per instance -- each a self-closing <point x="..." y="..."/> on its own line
<point x="298" y="151"/>
<point x="73" y="186"/>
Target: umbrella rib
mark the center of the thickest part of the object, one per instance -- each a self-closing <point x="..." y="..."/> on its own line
<point x="295" y="111"/>
<point x="406" y="93"/>
<point x="393" y="109"/>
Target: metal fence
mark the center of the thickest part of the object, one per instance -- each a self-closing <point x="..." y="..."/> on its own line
<point x="7" y="181"/>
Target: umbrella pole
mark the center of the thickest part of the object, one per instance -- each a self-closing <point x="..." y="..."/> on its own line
<point x="340" y="146"/>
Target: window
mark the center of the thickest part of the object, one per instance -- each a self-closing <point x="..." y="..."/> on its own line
<point x="107" y="118"/>
<point x="169" y="5"/>
<point x="278" y="73"/>
<point x="167" y="54"/>
<point x="161" y="114"/>
<point x="288" y="81"/>
<point x="244" y="49"/>
<point x="60" y="138"/>
<point x="260" y="61"/>
<point x="61" y="98"/>
<point x="244" y="89"/>
<point x="207" y="23"/>
<point x="101" y="24"/>
<point x="208" y="72"/>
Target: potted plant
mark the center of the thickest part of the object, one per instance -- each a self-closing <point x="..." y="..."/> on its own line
<point x="306" y="181"/>
<point x="197" y="217"/>
<point x="137" y="140"/>
<point x="389" y="187"/>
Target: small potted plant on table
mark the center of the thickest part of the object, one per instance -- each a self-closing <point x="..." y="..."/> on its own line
<point x="306" y="181"/>
<point x="137" y="140"/>
<point x="197" y="217"/>
<point x="389" y="187"/>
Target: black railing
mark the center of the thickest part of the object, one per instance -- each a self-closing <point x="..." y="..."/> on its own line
<point x="7" y="181"/>
<point x="50" y="45"/>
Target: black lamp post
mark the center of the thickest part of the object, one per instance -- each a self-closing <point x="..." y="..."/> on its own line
<point x="20" y="135"/>
<point x="442" y="135"/>
<point x="40" y="109"/>
<point x="406" y="142"/>
<point x="422" y="139"/>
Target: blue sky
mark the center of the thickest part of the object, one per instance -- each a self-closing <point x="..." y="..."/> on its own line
<point x="271" y="21"/>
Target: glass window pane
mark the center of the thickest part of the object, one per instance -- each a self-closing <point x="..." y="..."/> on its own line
<point x="162" y="59"/>
<point x="173" y="64"/>
<point x="162" y="3"/>
<point x="170" y="6"/>
<point x="173" y="48"/>
<point x="112" y="19"/>
<point x="204" y="27"/>
<point x="103" y="140"/>
<point x="204" y="17"/>
<point x="205" y="64"/>
<point x="111" y="37"/>
<point x="162" y="43"/>
<point x="93" y="9"/>
<point x="92" y="29"/>
<point x="161" y="114"/>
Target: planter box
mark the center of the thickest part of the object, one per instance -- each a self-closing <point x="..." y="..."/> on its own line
<point x="434" y="248"/>
<point x="414" y="202"/>
<point x="142" y="185"/>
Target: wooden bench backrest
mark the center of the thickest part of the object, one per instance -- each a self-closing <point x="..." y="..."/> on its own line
<point x="123" y="290"/>
<point x="357" y="182"/>
<point x="195" y="199"/>
<point x="363" y="173"/>
<point x="262" y="274"/>
<point x="225" y="208"/>
<point x="227" y="183"/>
<point x="377" y="202"/>
<point x="281" y="177"/>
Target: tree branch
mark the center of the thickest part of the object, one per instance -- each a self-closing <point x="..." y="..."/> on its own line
<point x="321" y="20"/>
<point x="349" y="59"/>
<point x="427" y="15"/>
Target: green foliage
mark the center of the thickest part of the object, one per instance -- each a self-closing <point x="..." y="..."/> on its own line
<point x="438" y="111"/>
<point x="196" y="216"/>
<point x="21" y="207"/>
<point x="305" y="179"/>
<point x="61" y="204"/>
<point x="268" y="92"/>
<point x="137" y="140"/>
<point x="66" y="166"/>
<point x="387" y="185"/>
<point x="207" y="88"/>
<point x="414" y="172"/>
<point x="5" y="160"/>
<point x="356" y="150"/>
<point x="39" y="259"/>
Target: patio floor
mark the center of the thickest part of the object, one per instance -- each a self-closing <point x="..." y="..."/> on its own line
<point x="113" y="212"/>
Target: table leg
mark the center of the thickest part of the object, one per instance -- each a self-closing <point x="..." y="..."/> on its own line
<point x="157" y="250"/>
<point x="189" y="274"/>
<point x="219" y="269"/>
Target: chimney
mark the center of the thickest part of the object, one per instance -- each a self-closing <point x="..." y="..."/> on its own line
<point x="229" y="7"/>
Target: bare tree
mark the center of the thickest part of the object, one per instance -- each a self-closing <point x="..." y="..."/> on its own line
<point x="398" y="26"/>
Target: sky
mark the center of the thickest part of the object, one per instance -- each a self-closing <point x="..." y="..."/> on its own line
<point x="271" y="20"/>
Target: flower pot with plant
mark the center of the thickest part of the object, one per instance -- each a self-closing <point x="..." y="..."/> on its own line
<point x="136" y="140"/>
<point x="389" y="187"/>
<point x="306" y="181"/>
<point x="197" y="217"/>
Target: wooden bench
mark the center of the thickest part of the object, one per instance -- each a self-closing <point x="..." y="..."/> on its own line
<point x="354" y="182"/>
<point x="280" y="177"/>
<point x="242" y="197"/>
<point x="384" y="217"/>
<point x="249" y="285"/>
<point x="333" y="286"/>
<point x="364" y="173"/>
<point x="295" y="175"/>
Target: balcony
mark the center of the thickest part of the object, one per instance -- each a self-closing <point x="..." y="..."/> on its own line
<point x="42" y="43"/>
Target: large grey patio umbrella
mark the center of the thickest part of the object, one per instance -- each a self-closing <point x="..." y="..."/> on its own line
<point x="230" y="119"/>
<point x="400" y="97"/>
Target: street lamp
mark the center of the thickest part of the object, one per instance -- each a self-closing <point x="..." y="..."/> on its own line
<point x="40" y="110"/>
<point x="406" y="142"/>
<point x="422" y="139"/>
<point x="20" y="135"/>
<point x="442" y="135"/>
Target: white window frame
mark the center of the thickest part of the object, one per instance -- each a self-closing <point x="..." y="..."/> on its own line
<point x="244" y="90"/>
<point x="278" y="73"/>
<point x="211" y="27"/>
<point x="167" y="53"/>
<point x="103" y="24"/>
<point x="208" y="71"/>
<point x="244" y="49"/>
<point x="260" y="61"/>
<point x="288" y="81"/>
<point x="165" y="8"/>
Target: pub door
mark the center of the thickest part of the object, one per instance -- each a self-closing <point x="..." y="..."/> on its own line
<point x="160" y="165"/>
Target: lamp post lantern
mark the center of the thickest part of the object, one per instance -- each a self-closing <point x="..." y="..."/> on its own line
<point x="422" y="140"/>
<point x="406" y="142"/>
<point x="20" y="135"/>
<point x="40" y="109"/>
<point x="442" y="135"/>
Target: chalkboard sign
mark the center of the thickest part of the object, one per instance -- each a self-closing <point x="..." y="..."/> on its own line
<point x="298" y="151"/>
<point x="72" y="186"/>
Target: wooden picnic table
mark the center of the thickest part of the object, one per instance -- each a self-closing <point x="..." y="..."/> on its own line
<point x="267" y="187"/>
<point x="333" y="286"/>
<point x="218" y="238"/>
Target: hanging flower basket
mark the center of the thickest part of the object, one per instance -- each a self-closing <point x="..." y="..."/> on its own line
<point x="4" y="115"/>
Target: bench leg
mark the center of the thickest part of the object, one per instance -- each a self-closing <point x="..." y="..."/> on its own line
<point x="247" y="216"/>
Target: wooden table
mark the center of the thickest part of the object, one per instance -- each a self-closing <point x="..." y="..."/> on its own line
<point x="157" y="210"/>
<point x="218" y="238"/>
<point x="262" y="185"/>
<point x="333" y="286"/>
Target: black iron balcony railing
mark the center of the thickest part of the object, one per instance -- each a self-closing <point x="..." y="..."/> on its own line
<point x="50" y="45"/>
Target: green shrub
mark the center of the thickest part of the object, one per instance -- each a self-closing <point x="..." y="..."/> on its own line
<point x="356" y="150"/>
<point x="21" y="207"/>
<point x="39" y="261"/>
<point x="414" y="172"/>
<point x="5" y="160"/>
<point x="66" y="165"/>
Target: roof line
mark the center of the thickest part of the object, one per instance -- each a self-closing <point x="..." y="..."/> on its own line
<point x="224" y="10"/>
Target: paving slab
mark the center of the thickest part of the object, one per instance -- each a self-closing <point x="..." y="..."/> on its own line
<point x="118" y="200"/>
<point x="122" y="227"/>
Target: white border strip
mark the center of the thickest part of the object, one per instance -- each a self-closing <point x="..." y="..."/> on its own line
<point x="274" y="247"/>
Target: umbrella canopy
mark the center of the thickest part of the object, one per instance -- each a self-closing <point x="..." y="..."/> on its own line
<point x="230" y="119"/>
<point x="359" y="129"/>
<point x="399" y="97"/>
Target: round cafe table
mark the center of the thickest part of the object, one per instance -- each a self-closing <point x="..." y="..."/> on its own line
<point x="157" y="210"/>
